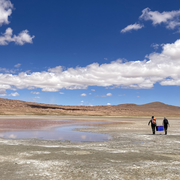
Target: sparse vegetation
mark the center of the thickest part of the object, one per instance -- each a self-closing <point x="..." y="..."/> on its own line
<point x="16" y="107"/>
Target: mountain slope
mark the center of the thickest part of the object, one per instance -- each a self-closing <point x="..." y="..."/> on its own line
<point x="16" y="107"/>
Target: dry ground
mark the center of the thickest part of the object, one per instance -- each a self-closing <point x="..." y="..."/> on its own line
<point x="133" y="154"/>
<point x="15" y="107"/>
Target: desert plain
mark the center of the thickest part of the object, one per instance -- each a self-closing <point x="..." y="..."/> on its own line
<point x="131" y="153"/>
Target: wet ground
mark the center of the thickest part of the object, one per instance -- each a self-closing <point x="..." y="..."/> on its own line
<point x="133" y="153"/>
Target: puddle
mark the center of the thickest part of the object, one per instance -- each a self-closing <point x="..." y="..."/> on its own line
<point x="64" y="133"/>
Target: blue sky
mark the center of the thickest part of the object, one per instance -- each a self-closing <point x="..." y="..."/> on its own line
<point x="90" y="52"/>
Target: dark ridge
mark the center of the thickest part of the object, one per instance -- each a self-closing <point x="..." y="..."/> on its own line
<point x="51" y="107"/>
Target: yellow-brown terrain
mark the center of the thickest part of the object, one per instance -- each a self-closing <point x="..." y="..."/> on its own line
<point x="16" y="107"/>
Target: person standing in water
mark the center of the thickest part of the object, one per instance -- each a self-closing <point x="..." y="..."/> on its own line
<point x="165" y="124"/>
<point x="153" y="124"/>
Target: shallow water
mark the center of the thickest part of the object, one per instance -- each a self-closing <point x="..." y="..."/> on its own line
<point x="65" y="133"/>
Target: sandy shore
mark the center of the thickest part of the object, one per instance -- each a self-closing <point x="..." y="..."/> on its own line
<point x="133" y="153"/>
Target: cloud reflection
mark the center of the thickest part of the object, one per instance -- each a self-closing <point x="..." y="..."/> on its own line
<point x="83" y="137"/>
<point x="13" y="136"/>
<point x="69" y="133"/>
<point x="1" y="135"/>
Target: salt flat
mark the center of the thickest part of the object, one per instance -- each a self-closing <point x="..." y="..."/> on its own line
<point x="133" y="153"/>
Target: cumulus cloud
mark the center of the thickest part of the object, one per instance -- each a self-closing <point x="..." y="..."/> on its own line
<point x="2" y="91"/>
<point x="4" y="87"/>
<point x="163" y="68"/>
<point x="17" y="65"/>
<point x="2" y="95"/>
<point x="22" y="38"/>
<point x="108" y="104"/>
<point x="7" y="37"/>
<point x="83" y="94"/>
<point x="132" y="27"/>
<point x="5" y="11"/>
<point x="108" y="94"/>
<point x="169" y="18"/>
<point x="7" y="70"/>
<point x="33" y="92"/>
<point x="14" y="94"/>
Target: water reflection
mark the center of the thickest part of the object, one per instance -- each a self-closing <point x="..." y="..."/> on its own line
<point x="61" y="133"/>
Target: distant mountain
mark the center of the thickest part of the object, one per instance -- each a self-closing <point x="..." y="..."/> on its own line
<point x="16" y="107"/>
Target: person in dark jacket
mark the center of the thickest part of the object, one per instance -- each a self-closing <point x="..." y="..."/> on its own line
<point x="153" y="124"/>
<point x="165" y="124"/>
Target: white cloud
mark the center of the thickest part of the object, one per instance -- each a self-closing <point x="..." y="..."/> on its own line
<point x="163" y="68"/>
<point x="5" y="11"/>
<point x="6" y="70"/>
<point x="132" y="27"/>
<point x="155" y="46"/>
<point x="92" y="89"/>
<point x="61" y="93"/>
<point x="7" y="37"/>
<point x="2" y="91"/>
<point x="4" y="87"/>
<point x="158" y="18"/>
<point x="106" y="59"/>
<point x="108" y="104"/>
<point x="33" y="92"/>
<point x="35" y="98"/>
<point x="22" y="38"/>
<point x="55" y="70"/>
<point x="83" y="94"/>
<point x="2" y="95"/>
<point x="14" y="94"/>
<point x="17" y="65"/>
<point x="169" y="18"/>
<point x="108" y="94"/>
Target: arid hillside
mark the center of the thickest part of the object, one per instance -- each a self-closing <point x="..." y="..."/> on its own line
<point x="15" y="107"/>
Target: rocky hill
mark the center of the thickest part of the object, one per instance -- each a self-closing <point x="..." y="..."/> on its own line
<point x="16" y="107"/>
